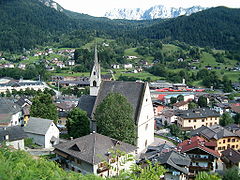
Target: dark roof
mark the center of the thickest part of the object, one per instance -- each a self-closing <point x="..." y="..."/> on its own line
<point x="232" y="127"/>
<point x="176" y="160"/>
<point x="7" y="109"/>
<point x="38" y="126"/>
<point x="214" y="132"/>
<point x="106" y="76"/>
<point x="86" y="103"/>
<point x="14" y="133"/>
<point x="232" y="155"/>
<point x="198" y="113"/>
<point x="133" y="91"/>
<point x="22" y="101"/>
<point x="93" y="148"/>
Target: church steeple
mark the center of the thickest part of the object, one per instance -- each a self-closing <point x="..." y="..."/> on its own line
<point x="95" y="79"/>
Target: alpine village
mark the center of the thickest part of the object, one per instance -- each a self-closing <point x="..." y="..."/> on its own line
<point x="94" y="98"/>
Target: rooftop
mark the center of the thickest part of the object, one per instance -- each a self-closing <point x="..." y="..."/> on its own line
<point x="93" y="148"/>
<point x="14" y="133"/>
<point x="198" y="113"/>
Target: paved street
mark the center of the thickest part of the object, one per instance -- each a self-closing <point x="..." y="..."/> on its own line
<point x="158" y="141"/>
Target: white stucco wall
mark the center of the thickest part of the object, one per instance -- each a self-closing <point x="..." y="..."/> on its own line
<point x="52" y="131"/>
<point x="15" y="119"/>
<point x="145" y="132"/>
<point x="19" y="144"/>
<point x="38" y="139"/>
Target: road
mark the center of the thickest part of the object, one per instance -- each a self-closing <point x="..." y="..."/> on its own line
<point x="158" y="141"/>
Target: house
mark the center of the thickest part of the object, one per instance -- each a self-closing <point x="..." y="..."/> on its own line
<point x="196" y="118"/>
<point x="168" y="117"/>
<point x="43" y="132"/>
<point x="202" y="153"/>
<point x="158" y="108"/>
<point x="176" y="163"/>
<point x="181" y="105"/>
<point x="94" y="153"/>
<point x="127" y="66"/>
<point x="63" y="109"/>
<point x="231" y="158"/>
<point x="13" y="136"/>
<point x="137" y="94"/>
<point x="225" y="139"/>
<point x="222" y="108"/>
<point x="115" y="66"/>
<point x="10" y="113"/>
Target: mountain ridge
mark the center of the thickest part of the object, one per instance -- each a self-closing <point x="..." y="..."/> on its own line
<point x="154" y="12"/>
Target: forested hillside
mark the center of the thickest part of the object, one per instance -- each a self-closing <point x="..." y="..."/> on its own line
<point x="216" y="27"/>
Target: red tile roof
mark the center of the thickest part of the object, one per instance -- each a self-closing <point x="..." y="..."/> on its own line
<point x="200" y="143"/>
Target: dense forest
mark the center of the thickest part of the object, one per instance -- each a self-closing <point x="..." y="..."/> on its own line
<point x="27" y="23"/>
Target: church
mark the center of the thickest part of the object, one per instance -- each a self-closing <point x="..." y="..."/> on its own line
<point x="137" y="94"/>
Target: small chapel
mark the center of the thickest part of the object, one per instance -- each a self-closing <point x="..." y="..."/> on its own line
<point x="137" y="94"/>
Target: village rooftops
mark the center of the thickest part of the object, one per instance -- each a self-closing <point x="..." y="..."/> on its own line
<point x="93" y="148"/>
<point x="214" y="132"/>
<point x="198" y="113"/>
<point x="176" y="160"/>
<point x="231" y="155"/>
<point x="198" y="143"/>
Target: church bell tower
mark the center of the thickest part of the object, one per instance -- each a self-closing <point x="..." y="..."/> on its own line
<point x="95" y="79"/>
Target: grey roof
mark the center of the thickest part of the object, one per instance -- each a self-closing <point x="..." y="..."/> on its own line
<point x="93" y="148"/>
<point x="198" y="113"/>
<point x="14" y="133"/>
<point x="214" y="132"/>
<point x="232" y="155"/>
<point x="86" y="103"/>
<point x="22" y="101"/>
<point x="38" y="126"/>
<point x="133" y="91"/>
<point x="7" y="109"/>
<point x="176" y="160"/>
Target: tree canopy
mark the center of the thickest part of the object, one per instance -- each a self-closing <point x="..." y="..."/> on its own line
<point x="78" y="123"/>
<point x="226" y="119"/>
<point x="114" y="117"/>
<point x="43" y="107"/>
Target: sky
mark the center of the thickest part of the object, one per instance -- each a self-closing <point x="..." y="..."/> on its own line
<point x="99" y="7"/>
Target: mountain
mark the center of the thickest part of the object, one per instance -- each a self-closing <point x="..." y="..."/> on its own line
<point x="154" y="12"/>
<point x="215" y="27"/>
<point x="52" y="4"/>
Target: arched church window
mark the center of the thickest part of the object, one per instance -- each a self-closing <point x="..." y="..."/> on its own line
<point x="94" y="73"/>
<point x="94" y="84"/>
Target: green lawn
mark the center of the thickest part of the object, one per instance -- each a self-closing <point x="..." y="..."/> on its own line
<point x="131" y="52"/>
<point x="98" y="41"/>
<point x="233" y="75"/>
<point x="170" y="48"/>
<point x="141" y="75"/>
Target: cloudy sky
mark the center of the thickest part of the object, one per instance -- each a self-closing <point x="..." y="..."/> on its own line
<point x="99" y="7"/>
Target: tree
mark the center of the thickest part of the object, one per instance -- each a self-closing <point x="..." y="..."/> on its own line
<point x="226" y="119"/>
<point x="192" y="105"/>
<point x="175" y="130"/>
<point x="78" y="123"/>
<point x="43" y="107"/>
<point x="202" y="101"/>
<point x="206" y="176"/>
<point x="180" y="97"/>
<point x="231" y="174"/>
<point x="114" y="117"/>
<point x="237" y="118"/>
<point x="173" y="100"/>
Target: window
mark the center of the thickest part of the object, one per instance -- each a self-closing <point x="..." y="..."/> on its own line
<point x="220" y="142"/>
<point x="203" y="120"/>
<point x="94" y="73"/>
<point x="94" y="84"/>
<point x="223" y="141"/>
<point x="233" y="140"/>
<point x="236" y="146"/>
<point x="194" y="127"/>
<point x="233" y="146"/>
<point x="189" y="120"/>
<point x="229" y="140"/>
<point x="146" y="99"/>
<point x="146" y="127"/>
<point x="210" y="124"/>
<point x="195" y="120"/>
<point x="219" y="148"/>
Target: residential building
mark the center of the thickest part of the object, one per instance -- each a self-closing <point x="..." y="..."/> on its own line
<point x="181" y="105"/>
<point x="43" y="132"/>
<point x="195" y="118"/>
<point x="224" y="138"/>
<point x="137" y="94"/>
<point x="127" y="66"/>
<point x="94" y="153"/>
<point x="13" y="136"/>
<point x="158" y="107"/>
<point x="202" y="153"/>
<point x="10" y="113"/>
<point x="231" y="158"/>
<point x="168" y="117"/>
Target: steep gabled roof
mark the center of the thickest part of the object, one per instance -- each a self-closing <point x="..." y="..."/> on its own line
<point x="176" y="160"/>
<point x="86" y="103"/>
<point x="38" y="126"/>
<point x="198" y="143"/>
<point x="133" y="91"/>
<point x="93" y="148"/>
<point x="14" y="133"/>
